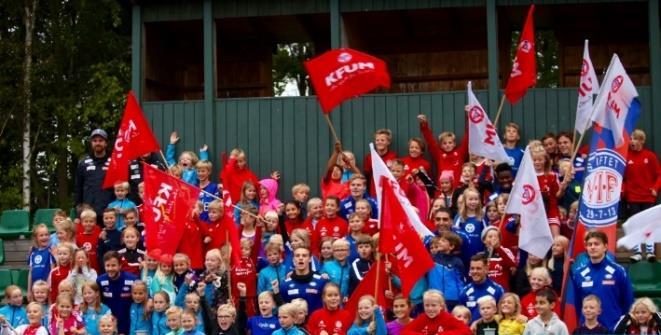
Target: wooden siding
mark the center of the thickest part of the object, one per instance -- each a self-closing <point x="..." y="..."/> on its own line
<point x="242" y="8"/>
<point x="290" y="134"/>
<point x="181" y="10"/>
<point x="385" y="5"/>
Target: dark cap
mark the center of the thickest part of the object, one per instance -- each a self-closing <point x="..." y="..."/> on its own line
<point x="99" y="132"/>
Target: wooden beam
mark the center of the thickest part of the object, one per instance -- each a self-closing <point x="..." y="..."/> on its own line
<point x="335" y="24"/>
<point x="209" y="42"/>
<point x="136" y="51"/>
<point x="492" y="54"/>
<point x="655" y="59"/>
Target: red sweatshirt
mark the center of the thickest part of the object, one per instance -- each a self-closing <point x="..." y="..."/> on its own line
<point x="192" y="244"/>
<point x="444" y="323"/>
<point x="90" y="243"/>
<point x="500" y="263"/>
<point x="642" y="174"/>
<point x="452" y="160"/>
<point x="218" y="231"/>
<point x="528" y="306"/>
<point x="233" y="178"/>
<point x="549" y="185"/>
<point x="367" y="168"/>
<point x="333" y="322"/>
<point x="335" y="228"/>
<point x="245" y="272"/>
<point x="411" y="164"/>
<point x="57" y="275"/>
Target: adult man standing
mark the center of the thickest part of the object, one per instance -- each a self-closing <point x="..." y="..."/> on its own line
<point x="90" y="174"/>
<point x="603" y="278"/>
<point x="480" y="286"/>
<point x="303" y="283"/>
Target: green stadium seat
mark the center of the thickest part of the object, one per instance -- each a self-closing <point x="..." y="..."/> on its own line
<point x="5" y="280"/>
<point x="72" y="214"/>
<point x="44" y="215"/>
<point x="14" y="223"/>
<point x="645" y="279"/>
<point x="19" y="277"/>
<point x="2" y="251"/>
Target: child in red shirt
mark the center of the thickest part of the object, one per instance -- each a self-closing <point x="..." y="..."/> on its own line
<point x="415" y="161"/>
<point x="218" y="231"/>
<point x="501" y="259"/>
<point x="246" y="272"/>
<point x="331" y="319"/>
<point x="332" y="224"/>
<point x="236" y="172"/>
<point x="331" y="183"/>
<point x="435" y="320"/>
<point x="382" y="140"/>
<point x="88" y="237"/>
<point x="448" y="157"/>
<point x="192" y="245"/>
<point x="64" y="257"/>
<point x="548" y="184"/>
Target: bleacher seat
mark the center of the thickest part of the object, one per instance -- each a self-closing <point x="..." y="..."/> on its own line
<point x="14" y="223"/>
<point x="645" y="279"/>
<point x="5" y="280"/>
<point x="2" y="251"/>
<point x="72" y="214"/>
<point x="44" y="215"/>
<point x="19" y="277"/>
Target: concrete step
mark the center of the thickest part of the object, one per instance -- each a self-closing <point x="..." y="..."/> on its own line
<point x="16" y="253"/>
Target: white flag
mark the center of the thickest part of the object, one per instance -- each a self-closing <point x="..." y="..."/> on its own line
<point x="644" y="227"/>
<point x="526" y="200"/>
<point x="617" y="98"/>
<point x="483" y="137"/>
<point x="379" y="168"/>
<point x="587" y="89"/>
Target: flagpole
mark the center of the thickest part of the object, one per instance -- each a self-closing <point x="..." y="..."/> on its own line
<point x="578" y="145"/>
<point x="500" y="109"/>
<point x="332" y="129"/>
<point x="229" y="270"/>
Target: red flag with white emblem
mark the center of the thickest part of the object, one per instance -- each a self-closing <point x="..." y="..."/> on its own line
<point x="524" y="67"/>
<point x="341" y="74"/>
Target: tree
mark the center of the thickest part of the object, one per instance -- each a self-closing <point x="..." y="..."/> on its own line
<point x="288" y="66"/>
<point x="547" y="49"/>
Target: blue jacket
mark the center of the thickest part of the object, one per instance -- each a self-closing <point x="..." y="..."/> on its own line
<point x="473" y="291"/>
<point x="608" y="281"/>
<point x="91" y="318"/>
<point x="116" y="294"/>
<point x="348" y="206"/>
<point x="206" y="199"/>
<point x="188" y="175"/>
<point x="472" y="228"/>
<point x="362" y="329"/>
<point x="138" y="321"/>
<point x="516" y="155"/>
<point x="269" y="274"/>
<point x="358" y="270"/>
<point x="123" y="204"/>
<point x="447" y="276"/>
<point x="307" y="287"/>
<point x="159" y="323"/>
<point x="259" y="325"/>
<point x="15" y="315"/>
<point x="294" y="330"/>
<point x="338" y="274"/>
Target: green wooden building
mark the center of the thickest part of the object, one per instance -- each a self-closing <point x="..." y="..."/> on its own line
<point x="204" y="68"/>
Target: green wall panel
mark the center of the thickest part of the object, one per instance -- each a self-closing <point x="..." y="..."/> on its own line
<point x="172" y="11"/>
<point x="291" y="135"/>
<point x="242" y="8"/>
<point x="384" y="5"/>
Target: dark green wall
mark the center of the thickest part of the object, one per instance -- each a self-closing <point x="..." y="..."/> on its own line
<point x="290" y="134"/>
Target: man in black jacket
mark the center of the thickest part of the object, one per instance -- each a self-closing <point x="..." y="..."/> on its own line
<point x="90" y="173"/>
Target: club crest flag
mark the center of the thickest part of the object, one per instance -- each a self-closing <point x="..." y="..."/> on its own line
<point x="524" y="67"/>
<point x="341" y="74"/>
<point x="483" y="137"/>
<point x="643" y="227"/>
<point x="168" y="203"/>
<point x="134" y="139"/>
<point x="526" y="200"/>
<point x="587" y="89"/>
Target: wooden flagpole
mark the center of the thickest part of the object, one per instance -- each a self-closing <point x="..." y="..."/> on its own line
<point x="332" y="129"/>
<point x="500" y="110"/>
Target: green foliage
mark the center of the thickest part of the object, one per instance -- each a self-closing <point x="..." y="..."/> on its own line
<point x="547" y="49"/>
<point x="81" y="73"/>
<point x="288" y="66"/>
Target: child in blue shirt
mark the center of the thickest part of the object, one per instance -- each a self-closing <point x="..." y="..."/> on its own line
<point x="14" y="313"/>
<point x="287" y="316"/>
<point x="40" y="260"/>
<point x="187" y="160"/>
<point x="121" y="203"/>
<point x="266" y="323"/>
<point x="140" y="318"/>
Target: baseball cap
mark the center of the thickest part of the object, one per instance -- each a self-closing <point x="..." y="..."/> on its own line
<point x="99" y="132"/>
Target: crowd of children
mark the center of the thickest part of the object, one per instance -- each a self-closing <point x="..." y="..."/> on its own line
<point x="302" y="259"/>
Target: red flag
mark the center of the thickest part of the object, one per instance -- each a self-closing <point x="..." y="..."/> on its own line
<point x="341" y="74"/>
<point x="368" y="286"/>
<point x="398" y="237"/>
<point x="133" y="140"/>
<point x="524" y="67"/>
<point x="168" y="202"/>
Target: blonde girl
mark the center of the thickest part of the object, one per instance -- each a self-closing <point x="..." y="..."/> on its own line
<point x="64" y="319"/>
<point x="216" y="277"/>
<point x="39" y="294"/>
<point x="469" y="220"/>
<point x="107" y="325"/>
<point x="248" y="197"/>
<point x="64" y="257"/>
<point x="187" y="159"/>
<point x="140" y="316"/>
<point x="13" y="312"/>
<point x="33" y="327"/>
<point x="41" y="260"/>
<point x="510" y="320"/>
<point x="92" y="309"/>
<point x="80" y="274"/>
<point x="66" y="232"/>
<point x="369" y="319"/>
<point x="164" y="278"/>
<point x="158" y="317"/>
<point x="555" y="262"/>
<point x="643" y="318"/>
<point x="150" y="266"/>
<point x="548" y="184"/>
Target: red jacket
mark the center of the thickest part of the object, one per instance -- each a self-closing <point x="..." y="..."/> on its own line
<point x="333" y="322"/>
<point x="90" y="243"/>
<point x="336" y="227"/>
<point x="528" y="306"/>
<point x="57" y="275"/>
<point x="245" y="272"/>
<point x="192" y="244"/>
<point x="500" y="263"/>
<point x="549" y="185"/>
<point x="218" y="231"/>
<point x="444" y="323"/>
<point x="642" y="174"/>
<point x="233" y="178"/>
<point x="411" y="164"/>
<point x="367" y="168"/>
<point x="452" y="160"/>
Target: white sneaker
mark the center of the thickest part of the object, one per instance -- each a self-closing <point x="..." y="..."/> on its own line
<point x="636" y="257"/>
